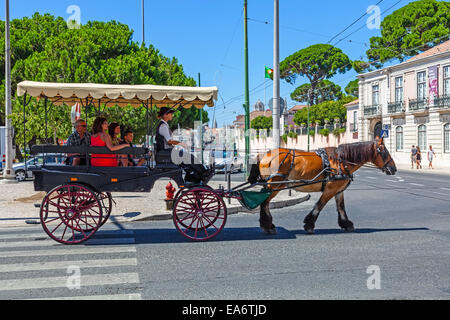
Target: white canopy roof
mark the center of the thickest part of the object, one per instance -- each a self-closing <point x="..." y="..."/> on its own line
<point x="122" y="95"/>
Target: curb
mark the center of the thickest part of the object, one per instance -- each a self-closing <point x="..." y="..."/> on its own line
<point x="233" y="210"/>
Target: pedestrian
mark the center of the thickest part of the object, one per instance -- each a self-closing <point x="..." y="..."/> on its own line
<point x="413" y="156"/>
<point x="418" y="158"/>
<point x="431" y="154"/>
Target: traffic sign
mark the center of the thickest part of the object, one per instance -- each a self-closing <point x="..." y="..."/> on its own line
<point x="282" y="105"/>
<point x="384" y="133"/>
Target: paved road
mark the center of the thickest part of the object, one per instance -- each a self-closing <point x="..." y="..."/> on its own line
<point x="403" y="233"/>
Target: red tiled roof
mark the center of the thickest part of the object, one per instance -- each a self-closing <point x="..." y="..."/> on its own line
<point x="296" y="108"/>
<point x="443" y="47"/>
<point x="353" y="103"/>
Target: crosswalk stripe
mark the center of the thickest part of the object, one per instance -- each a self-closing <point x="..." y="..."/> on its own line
<point x="445" y="189"/>
<point x="131" y="296"/>
<point x="43" y="234"/>
<point x="65" y="252"/>
<point x="62" y="282"/>
<point x="39" y="266"/>
<point x="52" y="243"/>
<point x="416" y="184"/>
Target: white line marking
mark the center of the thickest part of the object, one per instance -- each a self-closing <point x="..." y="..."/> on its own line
<point x="445" y="189"/>
<point x="371" y="178"/>
<point x="417" y="184"/>
<point x="43" y="234"/>
<point x="64" y="252"/>
<point x="52" y="243"/>
<point x="65" y="264"/>
<point x="131" y="296"/>
<point x="61" y="282"/>
<point x="442" y="194"/>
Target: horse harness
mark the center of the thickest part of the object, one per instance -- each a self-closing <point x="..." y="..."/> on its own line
<point x="330" y="174"/>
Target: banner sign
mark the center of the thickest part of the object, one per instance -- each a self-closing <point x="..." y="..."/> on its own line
<point x="433" y="84"/>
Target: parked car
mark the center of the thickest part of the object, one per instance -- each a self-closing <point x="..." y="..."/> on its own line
<point x="23" y="173"/>
<point x="226" y="161"/>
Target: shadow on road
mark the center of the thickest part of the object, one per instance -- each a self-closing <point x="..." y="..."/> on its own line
<point x="158" y="236"/>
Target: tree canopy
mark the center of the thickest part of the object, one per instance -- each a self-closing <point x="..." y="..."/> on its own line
<point x="326" y="90"/>
<point x="317" y="63"/>
<point x="45" y="49"/>
<point x="352" y="88"/>
<point x="326" y="110"/>
<point x="261" y="123"/>
<point x="412" y="29"/>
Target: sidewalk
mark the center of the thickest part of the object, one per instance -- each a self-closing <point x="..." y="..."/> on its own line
<point x="17" y="204"/>
<point x="437" y="169"/>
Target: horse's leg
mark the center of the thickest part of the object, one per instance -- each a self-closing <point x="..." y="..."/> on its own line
<point x="265" y="218"/>
<point x="343" y="220"/>
<point x="311" y="218"/>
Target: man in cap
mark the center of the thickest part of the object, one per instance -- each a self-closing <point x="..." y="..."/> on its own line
<point x="165" y="145"/>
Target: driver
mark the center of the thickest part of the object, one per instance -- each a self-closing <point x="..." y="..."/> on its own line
<point x="165" y="144"/>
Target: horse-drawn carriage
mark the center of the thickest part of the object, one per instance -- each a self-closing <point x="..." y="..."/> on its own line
<point x="78" y="200"/>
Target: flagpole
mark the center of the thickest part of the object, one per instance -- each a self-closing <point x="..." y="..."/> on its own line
<point x="265" y="95"/>
<point x="276" y="78"/>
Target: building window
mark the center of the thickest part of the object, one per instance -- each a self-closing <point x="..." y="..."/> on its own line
<point x="447" y="138"/>
<point x="399" y="138"/>
<point x="447" y="80"/>
<point x="422" y="137"/>
<point x="421" y="85"/>
<point x="355" y="121"/>
<point x="399" y="89"/>
<point x="375" y="95"/>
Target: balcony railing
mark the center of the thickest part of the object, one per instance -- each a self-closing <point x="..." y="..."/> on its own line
<point x="417" y="104"/>
<point x="372" y="110"/>
<point x="442" y="101"/>
<point x="396" y="107"/>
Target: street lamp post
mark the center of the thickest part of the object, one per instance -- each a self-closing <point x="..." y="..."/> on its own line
<point x="8" y="175"/>
<point x="276" y="78"/>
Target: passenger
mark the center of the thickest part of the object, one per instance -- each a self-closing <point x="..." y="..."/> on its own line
<point x="165" y="144"/>
<point x="128" y="137"/>
<point x="100" y="138"/>
<point x="79" y="138"/>
<point x="114" y="132"/>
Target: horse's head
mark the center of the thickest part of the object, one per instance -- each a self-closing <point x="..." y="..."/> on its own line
<point x="382" y="158"/>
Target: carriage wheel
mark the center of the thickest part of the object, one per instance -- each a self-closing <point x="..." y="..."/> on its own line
<point x="106" y="201"/>
<point x="71" y="214"/>
<point x="199" y="213"/>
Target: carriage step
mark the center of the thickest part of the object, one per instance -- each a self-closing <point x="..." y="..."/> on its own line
<point x="37" y="205"/>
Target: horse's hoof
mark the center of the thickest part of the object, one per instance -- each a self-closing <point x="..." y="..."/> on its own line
<point x="349" y="229"/>
<point x="270" y="231"/>
<point x="309" y="231"/>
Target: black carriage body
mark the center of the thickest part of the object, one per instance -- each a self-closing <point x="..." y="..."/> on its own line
<point x="101" y="179"/>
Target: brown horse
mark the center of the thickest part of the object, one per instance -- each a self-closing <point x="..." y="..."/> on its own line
<point x="291" y="165"/>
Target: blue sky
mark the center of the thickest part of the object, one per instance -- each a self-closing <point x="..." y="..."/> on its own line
<point x="206" y="36"/>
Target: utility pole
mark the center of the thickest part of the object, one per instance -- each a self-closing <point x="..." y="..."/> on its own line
<point x="143" y="22"/>
<point x="8" y="176"/>
<point x="201" y="124"/>
<point x="247" y="94"/>
<point x="276" y="77"/>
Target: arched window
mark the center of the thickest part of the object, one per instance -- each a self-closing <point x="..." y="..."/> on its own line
<point x="399" y="138"/>
<point x="447" y="137"/>
<point x="422" y="137"/>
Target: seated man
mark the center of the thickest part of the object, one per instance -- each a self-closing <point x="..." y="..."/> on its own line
<point x="195" y="171"/>
<point x="128" y="137"/>
<point x="79" y="138"/>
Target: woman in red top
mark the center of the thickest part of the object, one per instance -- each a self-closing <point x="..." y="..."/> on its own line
<point x="100" y="138"/>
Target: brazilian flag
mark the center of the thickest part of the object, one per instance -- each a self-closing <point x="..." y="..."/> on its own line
<point x="268" y="73"/>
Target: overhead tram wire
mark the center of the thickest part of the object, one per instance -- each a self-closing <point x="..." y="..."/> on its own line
<point x="354" y="22"/>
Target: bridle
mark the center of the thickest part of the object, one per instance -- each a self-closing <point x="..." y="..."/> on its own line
<point x="384" y="155"/>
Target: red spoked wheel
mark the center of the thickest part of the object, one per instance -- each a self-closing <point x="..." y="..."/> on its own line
<point x="71" y="214"/>
<point x="199" y="213"/>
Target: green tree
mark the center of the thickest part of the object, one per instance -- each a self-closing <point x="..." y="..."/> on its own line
<point x="352" y="88"/>
<point x="261" y="123"/>
<point x="324" y="110"/>
<point x="317" y="63"/>
<point x="414" y="28"/>
<point x="326" y="90"/>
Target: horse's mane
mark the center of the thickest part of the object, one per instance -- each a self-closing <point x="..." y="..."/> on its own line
<point x="358" y="152"/>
